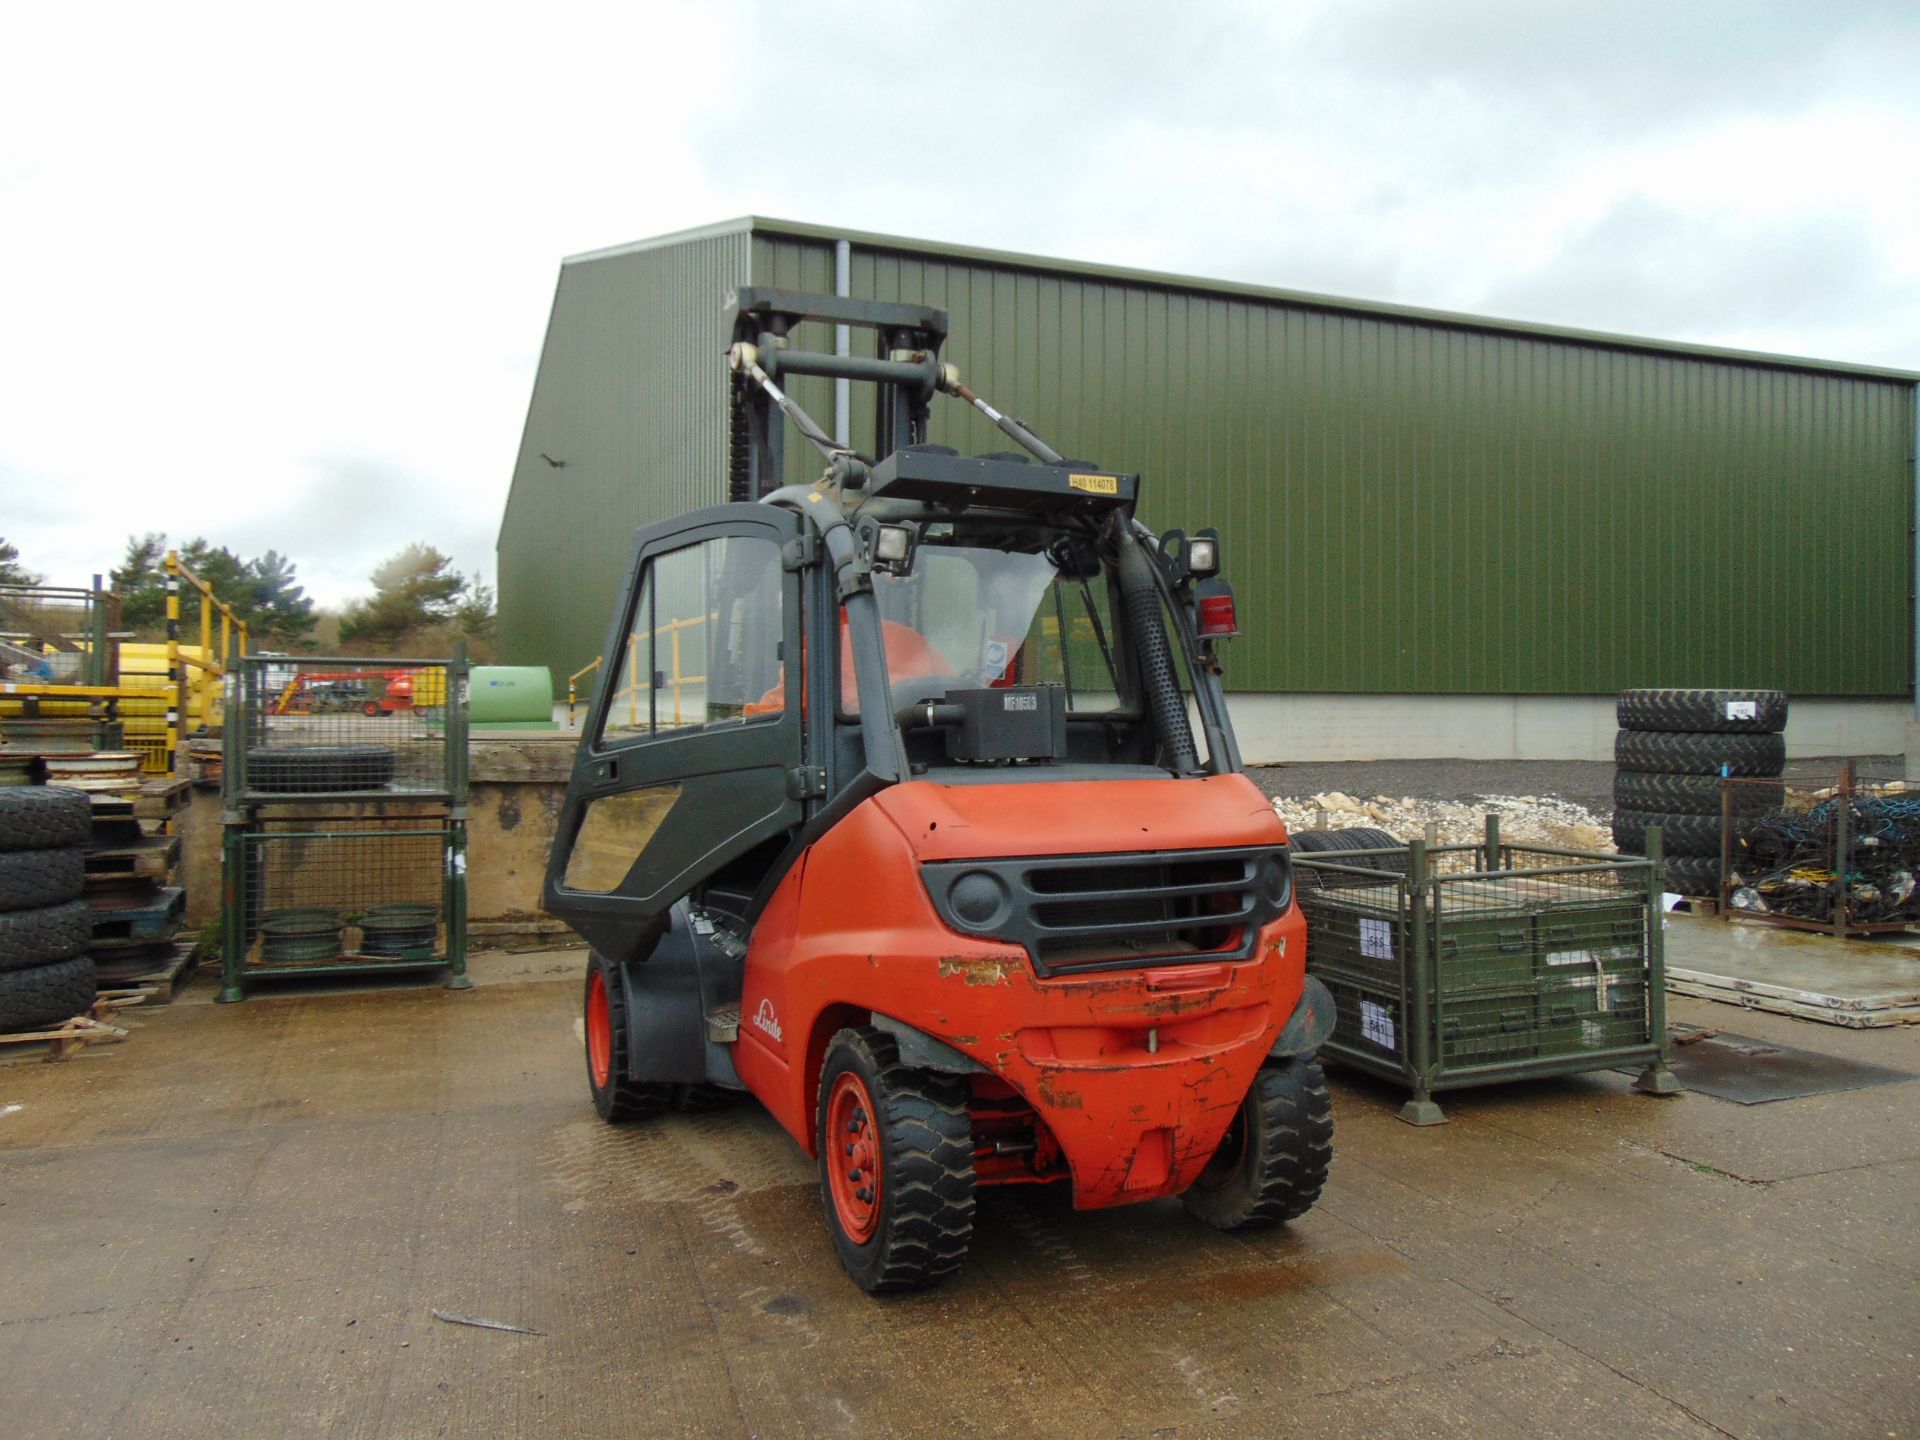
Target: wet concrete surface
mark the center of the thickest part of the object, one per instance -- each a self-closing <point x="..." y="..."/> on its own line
<point x="239" y="1222"/>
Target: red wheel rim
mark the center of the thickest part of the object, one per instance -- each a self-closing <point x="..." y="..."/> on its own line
<point x="599" y="1031"/>
<point x="851" y="1152"/>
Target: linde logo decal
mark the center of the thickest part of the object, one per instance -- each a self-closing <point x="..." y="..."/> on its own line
<point x="766" y="1020"/>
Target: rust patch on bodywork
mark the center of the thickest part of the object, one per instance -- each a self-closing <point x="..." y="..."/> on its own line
<point x="979" y="969"/>
<point x="1060" y="1099"/>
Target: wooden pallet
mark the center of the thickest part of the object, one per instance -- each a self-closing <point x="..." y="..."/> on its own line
<point x="163" y="982"/>
<point x="155" y="800"/>
<point x="63" y="1039"/>
<point x="160" y="798"/>
<point x="151" y="856"/>
<point x="141" y="925"/>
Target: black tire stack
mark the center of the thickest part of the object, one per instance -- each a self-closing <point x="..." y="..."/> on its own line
<point x="46" y="976"/>
<point x="1672" y="750"/>
<point x="1337" y="845"/>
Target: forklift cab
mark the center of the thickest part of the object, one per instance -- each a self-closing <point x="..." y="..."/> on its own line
<point x="748" y="702"/>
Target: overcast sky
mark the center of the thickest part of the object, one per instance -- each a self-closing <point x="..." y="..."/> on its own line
<point x="280" y="275"/>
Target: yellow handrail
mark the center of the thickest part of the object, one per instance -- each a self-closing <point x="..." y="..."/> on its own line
<point x="213" y="663"/>
<point x="573" y="680"/>
<point x="630" y="691"/>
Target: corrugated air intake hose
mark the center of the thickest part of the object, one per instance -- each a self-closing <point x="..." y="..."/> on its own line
<point x="1165" y="704"/>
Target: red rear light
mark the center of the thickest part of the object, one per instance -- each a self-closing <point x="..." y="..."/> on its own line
<point x="1216" y="617"/>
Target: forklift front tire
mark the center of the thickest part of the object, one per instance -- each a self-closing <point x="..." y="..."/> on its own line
<point x="615" y="1097"/>
<point x="896" y="1164"/>
<point x="1272" y="1162"/>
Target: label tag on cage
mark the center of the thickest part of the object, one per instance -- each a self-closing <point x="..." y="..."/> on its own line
<point x="1376" y="1024"/>
<point x="1593" y="1035"/>
<point x="1572" y="957"/>
<point x="1376" y="939"/>
<point x="1743" y="710"/>
<point x="456" y="862"/>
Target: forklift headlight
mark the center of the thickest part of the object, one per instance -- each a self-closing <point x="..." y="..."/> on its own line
<point x="979" y="899"/>
<point x="1203" y="556"/>
<point x="1279" y="880"/>
<point x="893" y="544"/>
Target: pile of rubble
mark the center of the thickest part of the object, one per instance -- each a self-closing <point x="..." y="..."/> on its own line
<point x="1538" y="818"/>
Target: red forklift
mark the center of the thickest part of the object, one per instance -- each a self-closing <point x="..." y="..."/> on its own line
<point x="909" y="804"/>
<point x="372" y="692"/>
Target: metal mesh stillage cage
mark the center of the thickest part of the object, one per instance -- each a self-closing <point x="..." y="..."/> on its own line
<point x="1468" y="964"/>
<point x="345" y="847"/>
<point x="343" y="895"/>
<point x="302" y="726"/>
<point x="1818" y="851"/>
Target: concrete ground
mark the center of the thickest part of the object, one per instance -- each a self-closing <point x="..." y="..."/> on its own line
<point x="240" y="1222"/>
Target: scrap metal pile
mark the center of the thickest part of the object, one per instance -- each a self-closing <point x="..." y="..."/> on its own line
<point x="1786" y="859"/>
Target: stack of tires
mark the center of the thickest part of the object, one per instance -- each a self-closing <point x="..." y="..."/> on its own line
<point x="46" y="976"/>
<point x="1673" y="748"/>
<point x="1335" y="844"/>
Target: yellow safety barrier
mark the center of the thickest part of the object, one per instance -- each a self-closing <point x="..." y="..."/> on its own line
<point x="210" y="663"/>
<point x="632" y="690"/>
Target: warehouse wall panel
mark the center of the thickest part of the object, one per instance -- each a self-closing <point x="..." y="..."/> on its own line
<point x="1411" y="503"/>
<point x="631" y="398"/>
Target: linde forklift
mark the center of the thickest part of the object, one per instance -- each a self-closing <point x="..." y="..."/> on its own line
<point x="909" y="804"/>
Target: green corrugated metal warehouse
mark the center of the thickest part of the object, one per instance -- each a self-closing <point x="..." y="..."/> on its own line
<point x="1449" y="535"/>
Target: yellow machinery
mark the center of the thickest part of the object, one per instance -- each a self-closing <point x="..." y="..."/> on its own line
<point x="71" y="666"/>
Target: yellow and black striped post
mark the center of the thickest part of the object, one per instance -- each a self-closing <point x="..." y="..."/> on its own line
<point x="176" y="675"/>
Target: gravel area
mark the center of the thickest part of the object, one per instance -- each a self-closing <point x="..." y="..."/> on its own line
<point x="1586" y="783"/>
<point x="1559" y="802"/>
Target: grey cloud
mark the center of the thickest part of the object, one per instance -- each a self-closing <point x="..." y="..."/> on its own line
<point x="355" y="512"/>
<point x="1649" y="269"/>
<point x="1624" y="66"/>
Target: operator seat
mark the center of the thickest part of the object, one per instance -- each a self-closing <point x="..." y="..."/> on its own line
<point x="910" y="656"/>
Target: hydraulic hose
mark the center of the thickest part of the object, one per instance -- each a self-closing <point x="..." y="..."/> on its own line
<point x="1166" y="707"/>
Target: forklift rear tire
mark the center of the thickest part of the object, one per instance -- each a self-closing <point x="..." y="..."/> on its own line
<point x="1272" y="1162"/>
<point x="896" y="1164"/>
<point x="615" y="1097"/>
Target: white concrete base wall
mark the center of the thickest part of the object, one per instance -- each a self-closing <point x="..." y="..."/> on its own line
<point x="1513" y="727"/>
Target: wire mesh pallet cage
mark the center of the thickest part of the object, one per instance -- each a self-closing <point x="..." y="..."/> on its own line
<point x="345" y="783"/>
<point x="337" y="894"/>
<point x="1835" y="853"/>
<point x="1457" y="965"/>
<point x="306" y="726"/>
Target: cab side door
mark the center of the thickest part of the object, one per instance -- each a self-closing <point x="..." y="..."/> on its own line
<point x="694" y="741"/>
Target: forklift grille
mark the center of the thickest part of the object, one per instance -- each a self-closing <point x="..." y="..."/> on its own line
<point x="1103" y="912"/>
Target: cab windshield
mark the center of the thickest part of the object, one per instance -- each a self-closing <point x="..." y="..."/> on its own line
<point x="972" y="616"/>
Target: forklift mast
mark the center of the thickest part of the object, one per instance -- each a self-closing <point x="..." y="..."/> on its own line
<point x="905" y="371"/>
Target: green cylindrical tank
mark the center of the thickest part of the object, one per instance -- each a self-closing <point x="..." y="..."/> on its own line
<point x="519" y="697"/>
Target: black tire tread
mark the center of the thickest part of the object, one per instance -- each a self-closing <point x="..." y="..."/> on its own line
<point x="1294" y="1150"/>
<point x="1680" y="835"/>
<point x="1689" y="794"/>
<point x="43" y="817"/>
<point x="37" y="937"/>
<point x="1693" y="875"/>
<point x="623" y="1099"/>
<point x="1695" y="753"/>
<point x="1337" y="842"/>
<point x="318" y="769"/>
<point x="46" y="994"/>
<point x="927" y="1222"/>
<point x="31" y="878"/>
<point x="1697" y="711"/>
